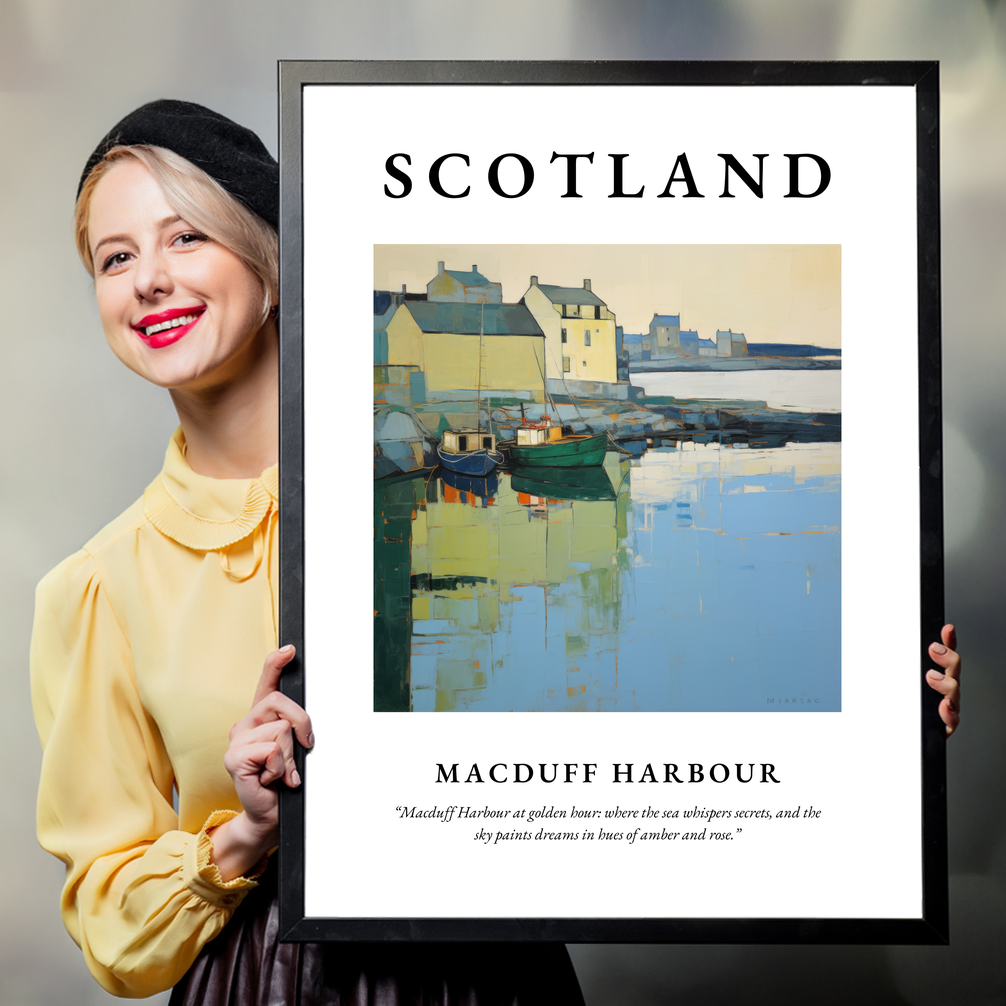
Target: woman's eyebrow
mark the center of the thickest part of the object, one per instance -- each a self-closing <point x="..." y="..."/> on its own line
<point x="109" y="240"/>
<point x="160" y="225"/>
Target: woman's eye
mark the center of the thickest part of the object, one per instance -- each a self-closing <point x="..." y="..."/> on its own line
<point x="114" y="261"/>
<point x="190" y="238"/>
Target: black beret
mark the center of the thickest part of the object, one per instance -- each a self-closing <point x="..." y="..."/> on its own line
<point x="230" y="154"/>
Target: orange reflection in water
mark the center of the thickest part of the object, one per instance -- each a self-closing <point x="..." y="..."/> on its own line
<point x="452" y="495"/>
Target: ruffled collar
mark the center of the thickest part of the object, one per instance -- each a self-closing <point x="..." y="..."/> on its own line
<point x="203" y="513"/>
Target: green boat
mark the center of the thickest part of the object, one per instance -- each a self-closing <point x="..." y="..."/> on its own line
<point x="577" y="450"/>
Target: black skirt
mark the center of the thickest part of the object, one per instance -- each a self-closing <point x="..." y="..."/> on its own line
<point x="246" y="965"/>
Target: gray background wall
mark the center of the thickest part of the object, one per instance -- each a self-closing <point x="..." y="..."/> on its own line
<point x="81" y="436"/>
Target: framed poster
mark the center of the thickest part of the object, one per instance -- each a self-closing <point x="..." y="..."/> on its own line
<point x="610" y="399"/>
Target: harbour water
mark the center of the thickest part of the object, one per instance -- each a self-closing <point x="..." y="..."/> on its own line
<point x="796" y="390"/>
<point x="702" y="576"/>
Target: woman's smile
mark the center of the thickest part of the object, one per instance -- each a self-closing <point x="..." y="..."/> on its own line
<point x="166" y="327"/>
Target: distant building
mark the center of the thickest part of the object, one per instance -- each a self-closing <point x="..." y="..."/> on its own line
<point x="636" y="345"/>
<point x="665" y="335"/>
<point x="579" y="332"/>
<point x="450" y="286"/>
<point x="730" y="343"/>
<point x="692" y="346"/>
<point x="689" y="342"/>
<point x="442" y="340"/>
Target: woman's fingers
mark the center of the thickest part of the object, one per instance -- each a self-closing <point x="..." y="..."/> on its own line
<point x="261" y="749"/>
<point x="278" y="735"/>
<point x="949" y="636"/>
<point x="947" y="680"/>
<point x="270" y="703"/>
<point x="277" y="706"/>
<point x="948" y="659"/>
<point x="949" y="710"/>
<point x="271" y="671"/>
<point x="947" y="686"/>
<point x="261" y="761"/>
<point x="274" y="766"/>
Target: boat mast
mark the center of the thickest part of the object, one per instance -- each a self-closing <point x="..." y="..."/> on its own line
<point x="478" y="407"/>
<point x="549" y="401"/>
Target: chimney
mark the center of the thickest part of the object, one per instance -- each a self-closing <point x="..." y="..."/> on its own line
<point x="534" y="281"/>
<point x="440" y="268"/>
<point x="586" y="284"/>
<point x="403" y="291"/>
<point x="475" y="268"/>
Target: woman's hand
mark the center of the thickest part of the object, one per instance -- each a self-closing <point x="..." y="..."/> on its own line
<point x="948" y="681"/>
<point x="260" y="754"/>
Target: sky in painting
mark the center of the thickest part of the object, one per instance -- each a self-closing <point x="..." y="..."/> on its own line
<point x="771" y="293"/>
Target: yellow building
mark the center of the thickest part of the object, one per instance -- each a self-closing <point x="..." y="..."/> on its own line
<point x="579" y="333"/>
<point x="443" y="340"/>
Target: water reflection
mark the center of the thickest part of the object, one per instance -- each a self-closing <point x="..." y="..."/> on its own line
<point x="698" y="577"/>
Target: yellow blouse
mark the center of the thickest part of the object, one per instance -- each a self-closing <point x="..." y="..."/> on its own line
<point x="147" y="647"/>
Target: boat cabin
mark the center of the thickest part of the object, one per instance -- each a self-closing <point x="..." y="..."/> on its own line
<point x="530" y="436"/>
<point x="465" y="441"/>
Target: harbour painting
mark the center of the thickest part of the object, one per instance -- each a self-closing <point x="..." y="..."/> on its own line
<point x="607" y="478"/>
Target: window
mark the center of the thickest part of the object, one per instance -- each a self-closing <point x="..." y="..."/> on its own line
<point x="586" y="338"/>
<point x="583" y="363"/>
<point x="597" y="312"/>
<point x="565" y="364"/>
<point x="564" y="335"/>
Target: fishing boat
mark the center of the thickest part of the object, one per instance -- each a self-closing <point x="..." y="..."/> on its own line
<point x="546" y="444"/>
<point x="471" y="451"/>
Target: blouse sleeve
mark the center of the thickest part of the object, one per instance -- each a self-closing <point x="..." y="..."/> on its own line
<point x="141" y="898"/>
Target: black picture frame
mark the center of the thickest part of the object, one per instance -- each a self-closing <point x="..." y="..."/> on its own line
<point x="931" y="927"/>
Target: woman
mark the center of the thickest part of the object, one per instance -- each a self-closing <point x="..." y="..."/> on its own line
<point x="149" y="642"/>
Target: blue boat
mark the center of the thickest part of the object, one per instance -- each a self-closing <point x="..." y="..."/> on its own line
<point x="469" y="452"/>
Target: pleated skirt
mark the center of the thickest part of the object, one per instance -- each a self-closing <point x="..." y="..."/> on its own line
<point x="246" y="965"/>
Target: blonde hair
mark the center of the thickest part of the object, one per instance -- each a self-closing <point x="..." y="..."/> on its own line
<point x="199" y="200"/>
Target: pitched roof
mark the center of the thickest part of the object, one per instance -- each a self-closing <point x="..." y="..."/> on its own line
<point x="570" y="295"/>
<point x="689" y="335"/>
<point x="472" y="278"/>
<point x="465" y="319"/>
<point x="383" y="299"/>
<point x="666" y="319"/>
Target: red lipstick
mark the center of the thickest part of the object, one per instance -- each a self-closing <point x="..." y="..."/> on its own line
<point x="166" y="327"/>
